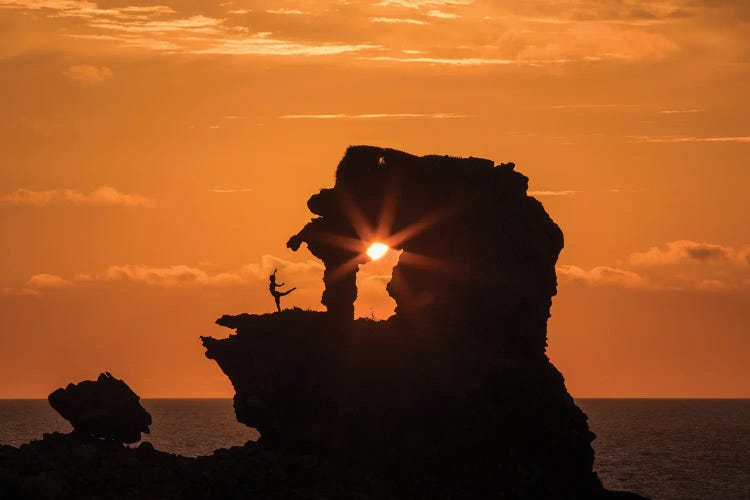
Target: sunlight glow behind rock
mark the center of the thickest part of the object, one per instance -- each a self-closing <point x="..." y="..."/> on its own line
<point x="377" y="250"/>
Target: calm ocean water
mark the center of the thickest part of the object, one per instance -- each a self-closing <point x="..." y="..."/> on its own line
<point x="664" y="449"/>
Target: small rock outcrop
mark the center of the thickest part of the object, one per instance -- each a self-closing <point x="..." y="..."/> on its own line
<point x="454" y="394"/>
<point x="105" y="408"/>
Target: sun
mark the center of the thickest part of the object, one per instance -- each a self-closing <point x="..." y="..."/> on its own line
<point x="377" y="250"/>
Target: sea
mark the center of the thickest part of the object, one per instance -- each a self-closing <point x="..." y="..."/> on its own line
<point x="678" y="449"/>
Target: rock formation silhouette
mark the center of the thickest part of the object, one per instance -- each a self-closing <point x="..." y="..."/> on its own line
<point x="452" y="397"/>
<point x="478" y="252"/>
<point x="105" y="408"/>
<point x="454" y="394"/>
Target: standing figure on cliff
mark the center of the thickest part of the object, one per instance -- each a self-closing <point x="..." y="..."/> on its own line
<point x="272" y="286"/>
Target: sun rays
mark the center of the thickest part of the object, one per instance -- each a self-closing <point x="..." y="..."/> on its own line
<point x="374" y="240"/>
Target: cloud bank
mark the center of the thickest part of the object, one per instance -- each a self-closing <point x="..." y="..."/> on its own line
<point x="676" y="265"/>
<point x="461" y="33"/>
<point x="101" y="196"/>
<point x="306" y="276"/>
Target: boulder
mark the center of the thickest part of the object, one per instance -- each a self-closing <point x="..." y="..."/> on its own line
<point x="104" y="408"/>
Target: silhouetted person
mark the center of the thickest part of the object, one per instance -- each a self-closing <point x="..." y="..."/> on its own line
<point x="272" y="286"/>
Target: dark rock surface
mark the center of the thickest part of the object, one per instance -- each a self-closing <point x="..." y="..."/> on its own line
<point x="73" y="466"/>
<point x="456" y="387"/>
<point x="69" y="466"/>
<point x="464" y="420"/>
<point x="105" y="408"/>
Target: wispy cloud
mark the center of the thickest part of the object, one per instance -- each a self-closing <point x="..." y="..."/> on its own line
<point x="193" y="24"/>
<point x="288" y="12"/>
<point x="230" y="190"/>
<point x="261" y="44"/>
<point x="88" y="75"/>
<point x="586" y="106"/>
<point x="572" y="192"/>
<point x="161" y="28"/>
<point x="465" y="61"/>
<point x="679" y="111"/>
<point x="47" y="4"/>
<point x="552" y="193"/>
<point x="439" y="14"/>
<point x="503" y="33"/>
<point x="103" y="196"/>
<point x="396" y="20"/>
<point x="683" y="139"/>
<point x="315" y="117"/>
<point x="416" y="4"/>
<point x="161" y="9"/>
<point x="370" y="116"/>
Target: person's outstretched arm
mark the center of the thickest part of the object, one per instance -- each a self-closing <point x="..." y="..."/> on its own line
<point x="279" y="284"/>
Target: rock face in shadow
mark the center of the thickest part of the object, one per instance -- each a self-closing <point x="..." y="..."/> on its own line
<point x="105" y="408"/>
<point x="454" y="394"/>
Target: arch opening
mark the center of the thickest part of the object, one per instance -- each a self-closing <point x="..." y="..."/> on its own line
<point x="373" y="301"/>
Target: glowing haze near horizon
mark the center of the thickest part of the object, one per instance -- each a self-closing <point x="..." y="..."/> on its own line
<point x="157" y="156"/>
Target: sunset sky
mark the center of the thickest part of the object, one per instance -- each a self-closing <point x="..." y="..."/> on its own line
<point x="157" y="156"/>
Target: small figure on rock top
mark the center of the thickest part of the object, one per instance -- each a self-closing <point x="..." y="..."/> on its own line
<point x="272" y="286"/>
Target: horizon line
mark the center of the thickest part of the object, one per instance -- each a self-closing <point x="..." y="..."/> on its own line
<point x="682" y="398"/>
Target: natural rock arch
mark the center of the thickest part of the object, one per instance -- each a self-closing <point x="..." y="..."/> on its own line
<point x="476" y="249"/>
<point x="465" y="351"/>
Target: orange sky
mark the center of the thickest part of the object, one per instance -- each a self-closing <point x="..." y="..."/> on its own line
<point x="157" y="156"/>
